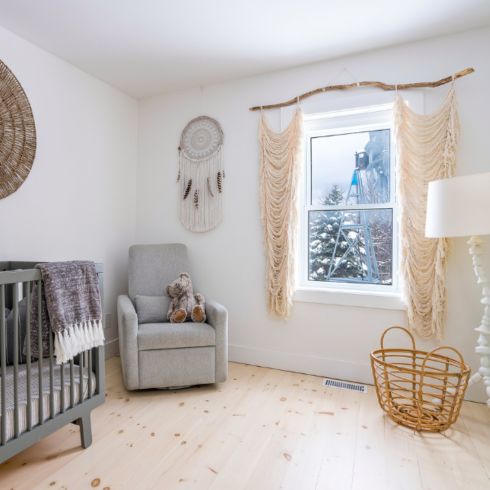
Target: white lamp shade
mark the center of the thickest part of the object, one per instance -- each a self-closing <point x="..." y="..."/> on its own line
<point x="459" y="206"/>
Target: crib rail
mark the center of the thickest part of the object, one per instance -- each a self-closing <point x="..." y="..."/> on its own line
<point x="61" y="407"/>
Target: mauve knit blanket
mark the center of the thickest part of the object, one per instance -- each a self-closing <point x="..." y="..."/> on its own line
<point x="70" y="309"/>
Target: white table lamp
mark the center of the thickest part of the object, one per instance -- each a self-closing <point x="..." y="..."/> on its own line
<point x="456" y="207"/>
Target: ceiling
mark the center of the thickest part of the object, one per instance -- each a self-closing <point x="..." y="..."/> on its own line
<point x="146" y="47"/>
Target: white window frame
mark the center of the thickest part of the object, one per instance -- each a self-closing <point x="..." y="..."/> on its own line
<point x="351" y="294"/>
<point x="307" y="207"/>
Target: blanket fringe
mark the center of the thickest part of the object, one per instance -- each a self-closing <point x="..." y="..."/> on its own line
<point x="78" y="338"/>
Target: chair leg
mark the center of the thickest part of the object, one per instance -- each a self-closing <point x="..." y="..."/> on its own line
<point x="85" y="430"/>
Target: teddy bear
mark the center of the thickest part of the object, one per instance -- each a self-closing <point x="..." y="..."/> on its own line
<point x="184" y="304"/>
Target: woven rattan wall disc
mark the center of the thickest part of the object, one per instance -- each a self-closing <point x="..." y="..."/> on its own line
<point x="17" y="133"/>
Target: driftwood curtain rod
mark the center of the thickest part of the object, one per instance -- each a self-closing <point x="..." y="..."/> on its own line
<point x="381" y="85"/>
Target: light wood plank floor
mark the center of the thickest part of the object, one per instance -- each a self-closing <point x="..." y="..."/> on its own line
<point x="262" y="429"/>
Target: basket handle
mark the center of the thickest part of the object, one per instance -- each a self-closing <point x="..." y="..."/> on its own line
<point x="397" y="327"/>
<point x="424" y="362"/>
<point x="442" y="347"/>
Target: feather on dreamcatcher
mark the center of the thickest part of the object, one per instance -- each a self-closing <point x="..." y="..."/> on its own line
<point x="201" y="174"/>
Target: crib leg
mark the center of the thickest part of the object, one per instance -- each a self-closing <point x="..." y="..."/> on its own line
<point x="85" y="430"/>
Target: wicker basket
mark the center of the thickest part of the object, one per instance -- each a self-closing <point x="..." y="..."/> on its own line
<point x="417" y="389"/>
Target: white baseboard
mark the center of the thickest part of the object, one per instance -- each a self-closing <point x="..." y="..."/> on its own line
<point x="299" y="363"/>
<point x="318" y="366"/>
<point x="287" y="361"/>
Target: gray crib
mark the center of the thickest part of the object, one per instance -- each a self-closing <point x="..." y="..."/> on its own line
<point x="37" y="396"/>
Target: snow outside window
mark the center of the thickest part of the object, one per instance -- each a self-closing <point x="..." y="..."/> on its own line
<point x="349" y="234"/>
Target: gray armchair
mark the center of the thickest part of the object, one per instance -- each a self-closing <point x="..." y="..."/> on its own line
<point x="158" y="354"/>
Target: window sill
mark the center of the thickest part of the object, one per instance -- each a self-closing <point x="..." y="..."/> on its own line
<point x="364" y="299"/>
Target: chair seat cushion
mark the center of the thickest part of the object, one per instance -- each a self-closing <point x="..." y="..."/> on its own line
<point x="153" y="336"/>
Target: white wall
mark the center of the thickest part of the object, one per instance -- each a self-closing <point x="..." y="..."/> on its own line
<point x="80" y="197"/>
<point x="229" y="261"/>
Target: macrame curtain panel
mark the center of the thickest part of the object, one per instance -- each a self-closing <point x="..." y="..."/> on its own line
<point x="426" y="151"/>
<point x="280" y="163"/>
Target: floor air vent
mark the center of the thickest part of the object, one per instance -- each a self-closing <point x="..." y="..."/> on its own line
<point x="344" y="385"/>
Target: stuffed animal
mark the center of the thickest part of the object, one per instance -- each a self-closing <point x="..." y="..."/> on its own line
<point x="184" y="304"/>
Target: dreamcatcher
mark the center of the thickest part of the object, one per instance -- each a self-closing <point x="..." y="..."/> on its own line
<point x="201" y="174"/>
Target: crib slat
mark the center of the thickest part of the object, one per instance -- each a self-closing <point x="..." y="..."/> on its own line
<point x="89" y="372"/>
<point x="3" y="354"/>
<point x="62" y="384"/>
<point x="40" y="351"/>
<point x="80" y="372"/>
<point x="72" y="384"/>
<point x="28" y="354"/>
<point x="15" y="300"/>
<point x="51" y="378"/>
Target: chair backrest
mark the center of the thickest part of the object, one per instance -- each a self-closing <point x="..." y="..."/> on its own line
<point x="152" y="267"/>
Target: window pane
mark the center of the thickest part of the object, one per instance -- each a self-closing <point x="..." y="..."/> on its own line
<point x="351" y="246"/>
<point x="351" y="168"/>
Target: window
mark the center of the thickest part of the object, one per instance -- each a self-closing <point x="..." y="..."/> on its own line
<point x="349" y="221"/>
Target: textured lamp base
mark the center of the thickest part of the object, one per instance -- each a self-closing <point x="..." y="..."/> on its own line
<point x="483" y="348"/>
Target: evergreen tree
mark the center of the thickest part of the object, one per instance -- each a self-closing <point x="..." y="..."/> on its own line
<point x="334" y="197"/>
<point x="324" y="229"/>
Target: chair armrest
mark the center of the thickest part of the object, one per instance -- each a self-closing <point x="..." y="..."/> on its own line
<point x="128" y="341"/>
<point x="217" y="317"/>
